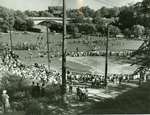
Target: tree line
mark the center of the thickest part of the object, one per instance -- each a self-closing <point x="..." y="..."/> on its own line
<point x="14" y="20"/>
<point x="131" y="21"/>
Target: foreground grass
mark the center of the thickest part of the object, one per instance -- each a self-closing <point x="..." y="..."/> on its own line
<point x="134" y="101"/>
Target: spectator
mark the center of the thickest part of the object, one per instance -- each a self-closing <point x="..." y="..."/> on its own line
<point x="70" y="88"/>
<point x="120" y="79"/>
<point x="33" y="89"/>
<point x="5" y="101"/>
<point x="78" y="92"/>
<point x="43" y="90"/>
<point x="86" y="93"/>
<point x="37" y="91"/>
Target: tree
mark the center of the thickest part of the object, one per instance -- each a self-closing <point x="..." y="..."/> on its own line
<point x="126" y="18"/>
<point x="127" y="32"/>
<point x="104" y="12"/>
<point x="78" y="19"/>
<point x="142" y="59"/>
<point x="147" y="33"/>
<point x="28" y="13"/>
<point x="20" y="24"/>
<point x="87" y="28"/>
<point x="87" y="12"/>
<point x="29" y="24"/>
<point x="138" y="30"/>
<point x="101" y="25"/>
<point x="97" y="14"/>
<point x="72" y="28"/>
<point x="114" y="30"/>
<point x="146" y="6"/>
<point x="45" y="14"/>
<point x="97" y="20"/>
<point x="7" y="21"/>
<point x="71" y="13"/>
<point x="113" y="12"/>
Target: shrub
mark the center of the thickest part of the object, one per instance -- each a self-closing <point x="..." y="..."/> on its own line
<point x="44" y="100"/>
<point x="35" y="30"/>
<point x="37" y="108"/>
<point x="13" y="83"/>
<point x="19" y="95"/>
<point x="19" y="106"/>
<point x="34" y="108"/>
<point x="53" y="93"/>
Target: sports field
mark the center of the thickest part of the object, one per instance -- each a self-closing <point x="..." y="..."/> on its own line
<point x="79" y="64"/>
<point x="94" y="64"/>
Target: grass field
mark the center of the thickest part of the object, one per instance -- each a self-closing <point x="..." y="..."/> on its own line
<point x="85" y="43"/>
<point x="135" y="101"/>
<point x="94" y="64"/>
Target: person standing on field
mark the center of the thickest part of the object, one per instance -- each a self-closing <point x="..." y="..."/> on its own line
<point x="5" y="101"/>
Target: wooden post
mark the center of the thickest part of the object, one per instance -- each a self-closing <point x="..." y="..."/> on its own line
<point x="64" y="54"/>
<point x="10" y="37"/>
<point x="48" y="50"/>
<point x="106" y="57"/>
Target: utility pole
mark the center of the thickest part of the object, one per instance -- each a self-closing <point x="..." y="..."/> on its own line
<point x="10" y="35"/>
<point x="64" y="54"/>
<point x="48" y="50"/>
<point x="106" y="60"/>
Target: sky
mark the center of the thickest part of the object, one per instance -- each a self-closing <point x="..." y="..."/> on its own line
<point x="43" y="4"/>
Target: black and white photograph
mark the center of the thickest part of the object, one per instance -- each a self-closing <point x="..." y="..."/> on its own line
<point x="74" y="57"/>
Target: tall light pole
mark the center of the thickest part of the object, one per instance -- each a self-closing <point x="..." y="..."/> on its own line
<point x="106" y="57"/>
<point x="64" y="53"/>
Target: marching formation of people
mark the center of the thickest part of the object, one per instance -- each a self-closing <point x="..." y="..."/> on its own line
<point x="97" y="80"/>
<point x="97" y="48"/>
<point x="126" y="53"/>
<point x="100" y="53"/>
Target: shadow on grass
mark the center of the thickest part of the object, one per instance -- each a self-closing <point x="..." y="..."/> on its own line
<point x="134" y="101"/>
<point x="14" y="113"/>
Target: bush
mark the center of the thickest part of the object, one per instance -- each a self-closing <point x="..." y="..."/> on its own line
<point x="34" y="108"/>
<point x="19" y="95"/>
<point x="17" y="106"/>
<point x="44" y="100"/>
<point x="13" y="84"/>
<point x="53" y="93"/>
<point x="35" y="30"/>
<point x="37" y="108"/>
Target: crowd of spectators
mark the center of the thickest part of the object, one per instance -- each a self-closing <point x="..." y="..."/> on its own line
<point x="38" y="76"/>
